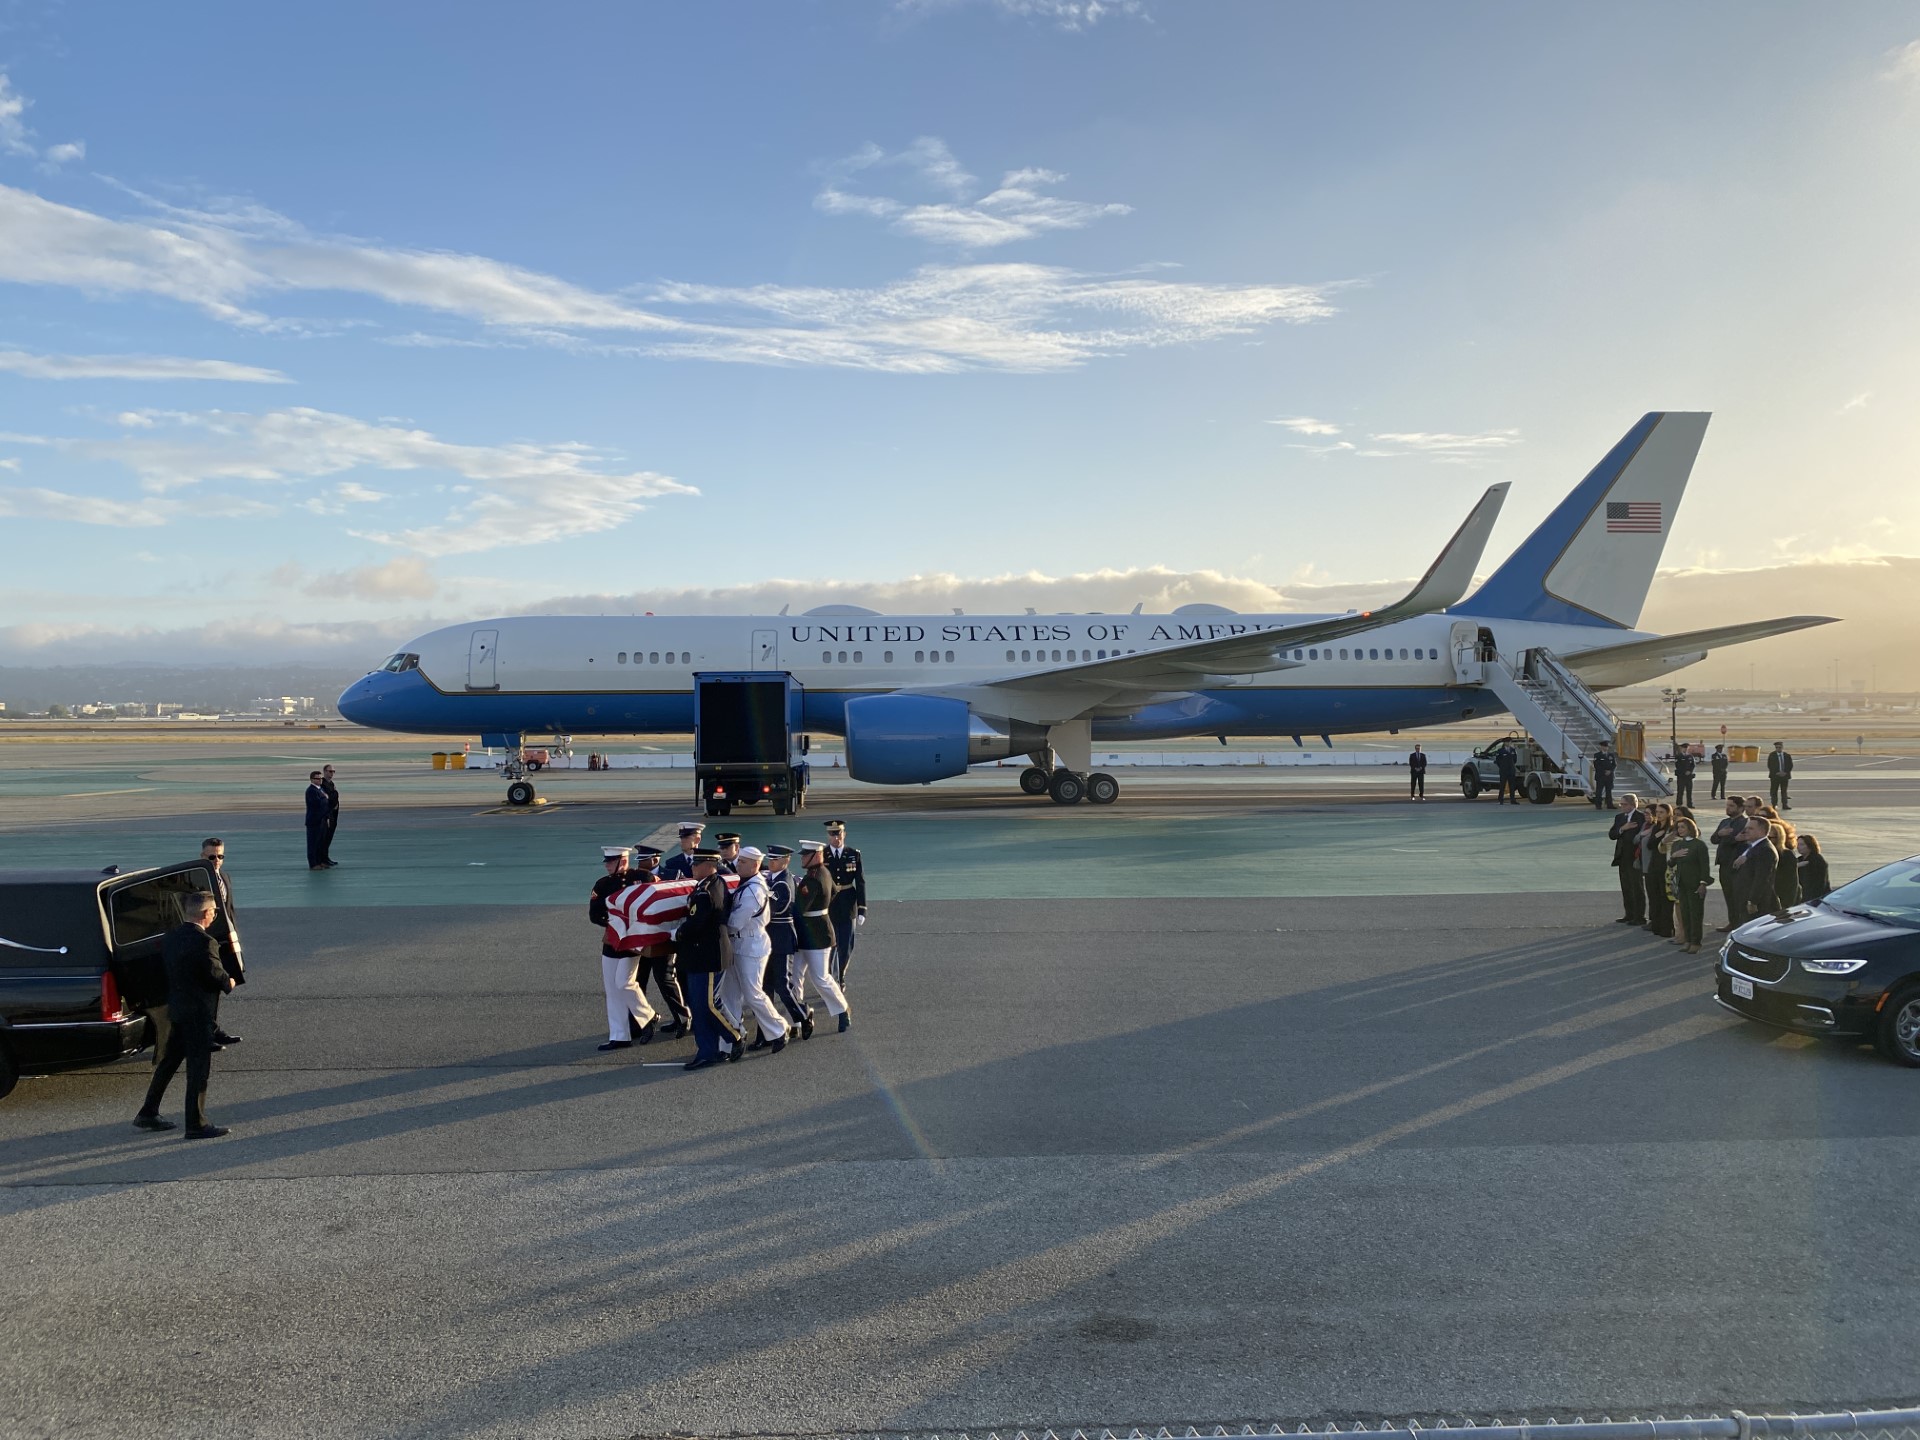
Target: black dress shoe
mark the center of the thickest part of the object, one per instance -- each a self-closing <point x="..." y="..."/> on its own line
<point x="736" y="1052"/>
<point x="152" y="1122"/>
<point x="700" y="1062"/>
<point x="220" y="1037"/>
<point x="205" y="1132"/>
<point x="777" y="1046"/>
<point x="677" y="1029"/>
<point x="633" y="1026"/>
<point x="618" y="1045"/>
<point x="846" y="1019"/>
<point x="806" y="1027"/>
<point x="216" y="1046"/>
<point x="1626" y="920"/>
<point x="644" y="1035"/>
<point x="760" y="1042"/>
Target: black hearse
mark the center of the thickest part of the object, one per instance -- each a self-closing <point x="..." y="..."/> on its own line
<point x="79" y="958"/>
<point x="1847" y="965"/>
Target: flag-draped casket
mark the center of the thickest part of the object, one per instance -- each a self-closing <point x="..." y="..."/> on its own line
<point x="641" y="916"/>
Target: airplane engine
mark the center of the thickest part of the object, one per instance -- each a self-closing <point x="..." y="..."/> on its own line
<point x="910" y="739"/>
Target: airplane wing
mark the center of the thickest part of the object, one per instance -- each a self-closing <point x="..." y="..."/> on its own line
<point x="1182" y="667"/>
<point x="1687" y="642"/>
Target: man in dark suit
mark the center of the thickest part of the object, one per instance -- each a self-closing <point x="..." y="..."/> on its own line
<point x="333" y="813"/>
<point x="1624" y="835"/>
<point x="1718" y="762"/>
<point x="1753" y="887"/>
<point x="1417" y="774"/>
<point x="1727" y="846"/>
<point x="679" y="866"/>
<point x="1779" y="772"/>
<point x="1684" y="767"/>
<point x="195" y="977"/>
<point x="316" y="824"/>
<point x="849" y="897"/>
<point x="225" y="929"/>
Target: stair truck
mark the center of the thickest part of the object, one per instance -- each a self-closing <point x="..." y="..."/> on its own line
<point x="1541" y="778"/>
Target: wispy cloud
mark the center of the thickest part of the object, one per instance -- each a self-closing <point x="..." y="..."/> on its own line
<point x="1903" y="62"/>
<point x="940" y="318"/>
<point x="1064" y="14"/>
<point x="1307" y="425"/>
<point x="1858" y="402"/>
<point x="405" y="577"/>
<point x="18" y="138"/>
<point x="519" y="494"/>
<point x="1443" y="446"/>
<point x="132" y="367"/>
<point x="969" y="218"/>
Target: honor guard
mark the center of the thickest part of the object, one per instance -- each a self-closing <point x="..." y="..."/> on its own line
<point x="728" y="844"/>
<point x="629" y="1017"/>
<point x="656" y="961"/>
<point x="850" y="895"/>
<point x="782" y="982"/>
<point x="744" y="993"/>
<point x="813" y="913"/>
<point x="679" y="865"/>
<point x="702" y="958"/>
<point x="1718" y="760"/>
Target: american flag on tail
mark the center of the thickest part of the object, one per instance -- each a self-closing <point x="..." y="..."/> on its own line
<point x="1633" y="517"/>
<point x="644" y="915"/>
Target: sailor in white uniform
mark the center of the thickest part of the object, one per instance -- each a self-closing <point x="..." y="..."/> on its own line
<point x="742" y="990"/>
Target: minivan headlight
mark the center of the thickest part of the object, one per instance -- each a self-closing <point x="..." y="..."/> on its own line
<point x="1831" y="967"/>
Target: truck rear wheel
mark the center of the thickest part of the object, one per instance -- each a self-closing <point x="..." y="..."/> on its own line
<point x="1538" y="793"/>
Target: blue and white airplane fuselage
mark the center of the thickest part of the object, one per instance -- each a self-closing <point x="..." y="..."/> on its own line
<point x="921" y="697"/>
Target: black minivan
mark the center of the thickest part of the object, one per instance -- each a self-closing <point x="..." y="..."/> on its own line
<point x="80" y="959"/>
<point x="1847" y="965"/>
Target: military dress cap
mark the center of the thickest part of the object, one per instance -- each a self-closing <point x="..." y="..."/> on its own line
<point x="812" y="847"/>
<point x="705" y="854"/>
<point x="691" y="827"/>
<point x="614" y="852"/>
<point x="726" y="837"/>
<point x="646" y="853"/>
<point x="779" y="852"/>
<point x="836" y="824"/>
<point x="751" y="853"/>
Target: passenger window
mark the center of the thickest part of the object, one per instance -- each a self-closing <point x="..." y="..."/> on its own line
<point x="858" y="658"/>
<point x="623" y="657"/>
<point x="1026" y="655"/>
<point x="843" y="657"/>
<point x="826" y="657"/>
<point x="1009" y="655"/>
<point x="919" y="657"/>
<point x="1313" y="654"/>
<point x="1343" y="654"/>
<point x="888" y="657"/>
<point x="949" y="657"/>
<point x="1373" y="654"/>
<point x="653" y="657"/>
<point x="141" y="912"/>
<point x="1103" y="654"/>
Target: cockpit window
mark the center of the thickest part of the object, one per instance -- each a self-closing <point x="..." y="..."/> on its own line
<point x="397" y="663"/>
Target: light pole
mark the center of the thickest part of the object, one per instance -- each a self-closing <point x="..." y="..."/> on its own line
<point x="1673" y="697"/>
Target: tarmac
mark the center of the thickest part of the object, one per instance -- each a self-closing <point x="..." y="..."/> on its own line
<point x="1251" y="1099"/>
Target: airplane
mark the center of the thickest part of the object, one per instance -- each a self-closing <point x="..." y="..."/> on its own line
<point x="919" y="698"/>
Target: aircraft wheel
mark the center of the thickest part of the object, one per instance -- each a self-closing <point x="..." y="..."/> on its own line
<point x="1067" y="788"/>
<point x="1102" y="789"/>
<point x="520" y="793"/>
<point x="1033" y="780"/>
<point x="1470" y="782"/>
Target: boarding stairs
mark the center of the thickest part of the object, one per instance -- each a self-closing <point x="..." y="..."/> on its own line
<point x="1566" y="719"/>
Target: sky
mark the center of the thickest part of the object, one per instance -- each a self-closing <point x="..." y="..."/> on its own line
<point x="314" y="335"/>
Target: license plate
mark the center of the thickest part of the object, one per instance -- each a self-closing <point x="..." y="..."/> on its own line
<point x="1742" y="989"/>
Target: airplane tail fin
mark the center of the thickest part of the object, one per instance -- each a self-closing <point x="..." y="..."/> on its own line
<point x="1592" y="560"/>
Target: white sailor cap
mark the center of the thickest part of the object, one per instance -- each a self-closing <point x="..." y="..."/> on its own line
<point x="749" y="852"/>
<point x="615" y="852"/>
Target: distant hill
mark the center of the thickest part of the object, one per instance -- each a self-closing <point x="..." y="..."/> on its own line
<point x="198" y="687"/>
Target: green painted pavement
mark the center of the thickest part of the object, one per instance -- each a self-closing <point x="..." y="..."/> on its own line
<point x="551" y="856"/>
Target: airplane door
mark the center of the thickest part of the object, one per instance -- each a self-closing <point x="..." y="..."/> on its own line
<point x="480" y="668"/>
<point x="1464" y="636"/>
<point x="766" y="650"/>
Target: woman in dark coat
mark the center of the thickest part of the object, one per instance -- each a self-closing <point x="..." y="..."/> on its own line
<point x="1654" y="862"/>
<point x="1812" y="865"/>
<point x="1690" y="868"/>
<point x="1786" y="875"/>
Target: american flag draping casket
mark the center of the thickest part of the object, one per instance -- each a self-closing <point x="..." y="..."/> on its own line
<point x="644" y="915"/>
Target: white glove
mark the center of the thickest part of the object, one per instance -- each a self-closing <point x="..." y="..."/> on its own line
<point x="858" y="921"/>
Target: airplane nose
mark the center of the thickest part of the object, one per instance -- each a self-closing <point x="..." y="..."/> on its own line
<point x="360" y="701"/>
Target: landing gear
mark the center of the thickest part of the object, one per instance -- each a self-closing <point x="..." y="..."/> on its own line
<point x="1067" y="788"/>
<point x="1033" y="781"/>
<point x="1102" y="789"/>
<point x="520" y="792"/>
